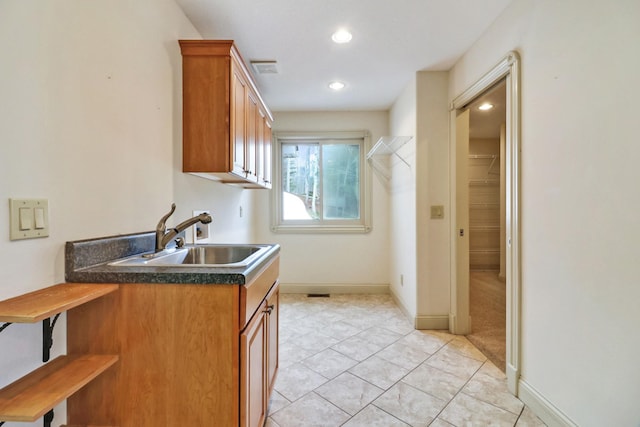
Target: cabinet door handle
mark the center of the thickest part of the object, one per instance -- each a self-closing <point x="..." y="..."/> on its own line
<point x="269" y="309"/>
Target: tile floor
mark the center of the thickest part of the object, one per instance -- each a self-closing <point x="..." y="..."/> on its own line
<point x="355" y="360"/>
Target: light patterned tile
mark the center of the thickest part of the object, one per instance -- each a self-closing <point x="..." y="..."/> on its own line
<point x="307" y="323"/>
<point x="330" y="315"/>
<point x="374" y="347"/>
<point x="464" y="410"/>
<point x="372" y="416"/>
<point x="310" y="411"/>
<point x="364" y="318"/>
<point x="441" y="334"/>
<point x="439" y="422"/>
<point x="285" y="334"/>
<point x="434" y="381"/>
<point x="410" y="405"/>
<point x="329" y="363"/>
<point x="379" y="372"/>
<point x="492" y="390"/>
<point x="379" y="336"/>
<point x="340" y="330"/>
<point x="464" y="347"/>
<point x="399" y="324"/>
<point x="349" y="392"/>
<point x="407" y="357"/>
<point x="529" y="419"/>
<point x="490" y="369"/>
<point x="454" y="363"/>
<point x="423" y="341"/>
<point x="290" y="354"/>
<point x="277" y="402"/>
<point x="356" y="348"/>
<point x="315" y="341"/>
<point x="296" y="380"/>
<point x="270" y="423"/>
<point x="292" y="328"/>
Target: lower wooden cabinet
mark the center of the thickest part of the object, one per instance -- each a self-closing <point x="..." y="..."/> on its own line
<point x="190" y="354"/>
<point x="273" y="324"/>
<point x="259" y="361"/>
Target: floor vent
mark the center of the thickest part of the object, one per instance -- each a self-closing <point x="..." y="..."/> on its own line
<point x="318" y="295"/>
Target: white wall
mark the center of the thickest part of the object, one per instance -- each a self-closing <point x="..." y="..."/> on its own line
<point x="580" y="199"/>
<point x="420" y="245"/>
<point x="433" y="189"/>
<point x="332" y="259"/>
<point x="402" y="202"/>
<point x="90" y="107"/>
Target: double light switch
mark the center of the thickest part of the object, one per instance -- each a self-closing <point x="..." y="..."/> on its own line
<point x="29" y="218"/>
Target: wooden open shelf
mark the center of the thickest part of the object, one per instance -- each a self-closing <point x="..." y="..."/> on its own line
<point x="33" y="395"/>
<point x="38" y="305"/>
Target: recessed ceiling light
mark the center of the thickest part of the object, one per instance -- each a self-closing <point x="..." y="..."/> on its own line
<point x="486" y="106"/>
<point x="336" y="85"/>
<point x="341" y="36"/>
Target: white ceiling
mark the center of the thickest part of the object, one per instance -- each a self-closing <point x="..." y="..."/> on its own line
<point x="391" y="41"/>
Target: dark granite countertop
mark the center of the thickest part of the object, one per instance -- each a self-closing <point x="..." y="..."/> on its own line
<point x="87" y="261"/>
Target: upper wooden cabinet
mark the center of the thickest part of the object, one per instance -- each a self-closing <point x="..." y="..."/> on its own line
<point x="226" y="124"/>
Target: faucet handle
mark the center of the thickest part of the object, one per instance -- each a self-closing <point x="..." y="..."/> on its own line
<point x="163" y="220"/>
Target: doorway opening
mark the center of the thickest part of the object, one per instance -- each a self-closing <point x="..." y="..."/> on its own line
<point x="507" y="72"/>
<point x="487" y="213"/>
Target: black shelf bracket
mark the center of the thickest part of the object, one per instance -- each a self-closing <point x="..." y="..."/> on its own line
<point x="2" y="328"/>
<point x="48" y="419"/>
<point x="47" y="339"/>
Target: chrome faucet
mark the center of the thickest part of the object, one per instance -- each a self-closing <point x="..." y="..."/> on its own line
<point x="164" y="236"/>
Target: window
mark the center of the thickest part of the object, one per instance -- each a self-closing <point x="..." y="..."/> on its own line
<point x="321" y="184"/>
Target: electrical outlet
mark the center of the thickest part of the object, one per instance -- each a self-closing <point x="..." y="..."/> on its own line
<point x="200" y="231"/>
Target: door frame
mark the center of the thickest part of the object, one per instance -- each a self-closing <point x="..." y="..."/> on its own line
<point x="509" y="69"/>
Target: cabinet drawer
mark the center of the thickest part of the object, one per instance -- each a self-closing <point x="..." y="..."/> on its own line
<point x="252" y="294"/>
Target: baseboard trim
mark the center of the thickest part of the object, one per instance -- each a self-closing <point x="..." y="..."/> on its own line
<point x="432" y="322"/>
<point x="333" y="288"/>
<point x="421" y="322"/>
<point x="402" y="307"/>
<point x="540" y="406"/>
<point x="513" y="375"/>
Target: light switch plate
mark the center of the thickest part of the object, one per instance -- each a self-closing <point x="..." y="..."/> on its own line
<point x="24" y="215"/>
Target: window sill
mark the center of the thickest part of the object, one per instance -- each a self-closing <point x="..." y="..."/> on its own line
<point x="319" y="229"/>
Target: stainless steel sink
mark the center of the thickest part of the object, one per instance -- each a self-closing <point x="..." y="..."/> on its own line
<point x="198" y="256"/>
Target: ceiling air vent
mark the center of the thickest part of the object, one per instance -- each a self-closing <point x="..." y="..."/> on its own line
<point x="265" y="67"/>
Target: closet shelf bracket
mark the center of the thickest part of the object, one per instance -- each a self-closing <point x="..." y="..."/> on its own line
<point x="379" y="157"/>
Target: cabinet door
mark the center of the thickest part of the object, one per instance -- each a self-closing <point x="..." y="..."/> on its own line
<point x="266" y="156"/>
<point x="260" y="146"/>
<point x="253" y="397"/>
<point x="273" y="304"/>
<point x="252" y="136"/>
<point x="238" y="122"/>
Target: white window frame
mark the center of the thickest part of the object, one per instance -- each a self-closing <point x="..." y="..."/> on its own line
<point x="360" y="225"/>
